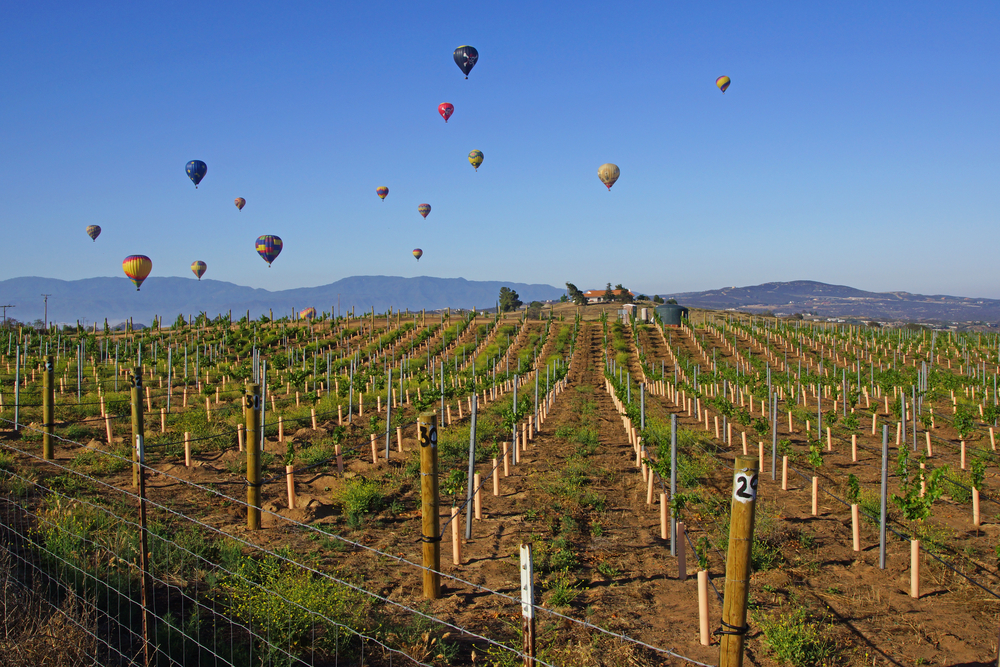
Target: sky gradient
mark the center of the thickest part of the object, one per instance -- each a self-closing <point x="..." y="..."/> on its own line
<point x="856" y="145"/>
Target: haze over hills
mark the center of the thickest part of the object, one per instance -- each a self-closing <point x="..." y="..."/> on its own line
<point x="93" y="299"/>
<point x="801" y="296"/>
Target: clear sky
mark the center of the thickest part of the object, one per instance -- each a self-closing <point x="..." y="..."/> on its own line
<point x="857" y="143"/>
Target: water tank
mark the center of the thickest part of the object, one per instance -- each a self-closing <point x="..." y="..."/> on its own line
<point x="671" y="314"/>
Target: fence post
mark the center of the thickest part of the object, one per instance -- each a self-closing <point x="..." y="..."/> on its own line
<point x="251" y="412"/>
<point x="527" y="605"/>
<point x="734" y="606"/>
<point x="47" y="409"/>
<point x="883" y="496"/>
<point x="147" y="581"/>
<point x="137" y="428"/>
<point x="431" y="535"/>
<point x="472" y="465"/>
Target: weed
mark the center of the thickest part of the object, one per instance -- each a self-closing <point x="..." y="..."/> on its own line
<point x="797" y="639"/>
<point x="562" y="589"/>
<point x="596" y="529"/>
<point x="361" y="498"/>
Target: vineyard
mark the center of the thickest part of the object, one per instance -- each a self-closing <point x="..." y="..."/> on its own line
<point x="224" y="492"/>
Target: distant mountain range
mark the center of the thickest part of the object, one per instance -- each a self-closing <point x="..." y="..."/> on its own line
<point x="116" y="299"/>
<point x="807" y="296"/>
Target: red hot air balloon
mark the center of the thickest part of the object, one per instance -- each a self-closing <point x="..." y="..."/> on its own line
<point x="418" y="253"/>
<point x="424" y="209"/>
<point x="446" y="109"/>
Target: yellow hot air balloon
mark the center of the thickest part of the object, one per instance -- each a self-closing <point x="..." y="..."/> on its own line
<point x="307" y="314"/>
<point x="476" y="159"/>
<point x="137" y="267"/>
<point x="723" y="82"/>
<point x="608" y="173"/>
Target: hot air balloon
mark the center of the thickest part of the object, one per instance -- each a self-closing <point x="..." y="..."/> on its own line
<point x="196" y="170"/>
<point x="269" y="247"/>
<point x="199" y="268"/>
<point x="465" y="58"/>
<point x="307" y="314"/>
<point x="137" y="267"/>
<point x="723" y="82"/>
<point x="93" y="231"/>
<point x="476" y="159"/>
<point x="608" y="173"/>
<point x="418" y="253"/>
<point x="240" y="203"/>
<point x="424" y="209"/>
<point x="382" y="191"/>
<point x="446" y="109"/>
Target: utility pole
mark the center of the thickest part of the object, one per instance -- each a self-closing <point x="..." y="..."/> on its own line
<point x="46" y="310"/>
<point x="9" y="305"/>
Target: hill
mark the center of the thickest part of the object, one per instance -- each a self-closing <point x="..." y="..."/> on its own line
<point x="93" y="299"/>
<point x="807" y="296"/>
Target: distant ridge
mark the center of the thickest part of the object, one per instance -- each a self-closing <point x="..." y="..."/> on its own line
<point x="801" y="296"/>
<point x="93" y="299"/>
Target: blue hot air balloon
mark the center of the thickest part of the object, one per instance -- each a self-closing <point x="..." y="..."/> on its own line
<point x="196" y="170"/>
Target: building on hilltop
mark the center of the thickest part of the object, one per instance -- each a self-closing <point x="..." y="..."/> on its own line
<point x="597" y="295"/>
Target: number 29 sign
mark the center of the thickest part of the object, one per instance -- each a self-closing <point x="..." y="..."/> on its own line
<point x="745" y="487"/>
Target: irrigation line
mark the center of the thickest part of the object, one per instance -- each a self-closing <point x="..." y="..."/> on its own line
<point x="901" y="536"/>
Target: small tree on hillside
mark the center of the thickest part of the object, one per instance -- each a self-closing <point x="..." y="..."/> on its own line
<point x="509" y="300"/>
<point x="575" y="295"/>
<point x="608" y="294"/>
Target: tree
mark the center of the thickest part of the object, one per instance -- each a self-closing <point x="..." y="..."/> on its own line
<point x="624" y="296"/>
<point x="608" y="294"/>
<point x="509" y="300"/>
<point x="657" y="298"/>
<point x="672" y="301"/>
<point x="535" y="310"/>
<point x="575" y="295"/>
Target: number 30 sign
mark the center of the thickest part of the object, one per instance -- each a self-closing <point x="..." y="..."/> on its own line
<point x="745" y="487"/>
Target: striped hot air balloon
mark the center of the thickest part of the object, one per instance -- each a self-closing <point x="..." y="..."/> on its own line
<point x="137" y="267"/>
<point x="723" y="82"/>
<point x="269" y="247"/>
<point x="199" y="268"/>
<point x="418" y="253"/>
<point x="424" y="209"/>
<point x="382" y="192"/>
<point x="307" y="314"/>
<point x="93" y="231"/>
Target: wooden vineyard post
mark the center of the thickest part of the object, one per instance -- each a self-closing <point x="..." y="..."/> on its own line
<point x="47" y="409"/>
<point x="734" y="605"/>
<point x="137" y="430"/>
<point x="528" y="605"/>
<point x="147" y="581"/>
<point x="431" y="538"/>
<point x="251" y="413"/>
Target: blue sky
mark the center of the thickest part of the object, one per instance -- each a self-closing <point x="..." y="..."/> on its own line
<point x="856" y="145"/>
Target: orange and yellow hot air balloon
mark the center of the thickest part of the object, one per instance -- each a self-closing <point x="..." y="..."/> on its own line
<point x="723" y="82"/>
<point x="240" y="202"/>
<point x="418" y="253"/>
<point x="137" y="267"/>
<point x="382" y="192"/>
<point x="199" y="268"/>
<point x="307" y="314"/>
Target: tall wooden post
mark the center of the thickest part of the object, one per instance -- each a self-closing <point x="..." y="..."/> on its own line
<point x="734" y="606"/>
<point x="431" y="536"/>
<point x="147" y="579"/>
<point x="47" y="409"/>
<point x="251" y="413"/>
<point x="137" y="427"/>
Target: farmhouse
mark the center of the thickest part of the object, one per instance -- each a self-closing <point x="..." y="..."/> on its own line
<point x="597" y="295"/>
